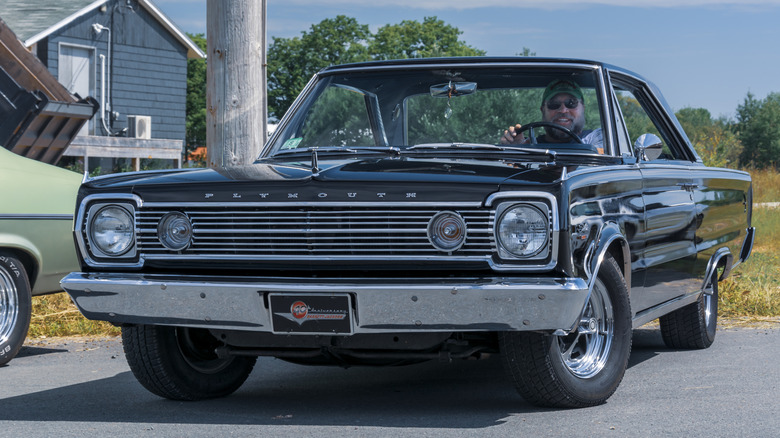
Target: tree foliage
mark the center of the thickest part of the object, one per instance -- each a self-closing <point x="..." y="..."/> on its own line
<point x="293" y="61"/>
<point x="713" y="140"/>
<point x="195" y="131"/>
<point x="412" y="39"/>
<point x="758" y="128"/>
<point x="753" y="140"/>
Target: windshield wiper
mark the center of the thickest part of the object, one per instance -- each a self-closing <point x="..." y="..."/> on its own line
<point x="483" y="148"/>
<point x="456" y="146"/>
<point x="339" y="150"/>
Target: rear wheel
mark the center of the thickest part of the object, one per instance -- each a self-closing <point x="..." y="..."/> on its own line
<point x="693" y="327"/>
<point x="15" y="306"/>
<point x="181" y="363"/>
<point x="585" y="367"/>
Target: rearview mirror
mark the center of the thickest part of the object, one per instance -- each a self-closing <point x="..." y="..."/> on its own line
<point x="453" y="89"/>
<point x="648" y="147"/>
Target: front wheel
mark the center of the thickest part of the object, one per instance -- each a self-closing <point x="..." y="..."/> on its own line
<point x="585" y="367"/>
<point x="15" y="306"/>
<point x="181" y="363"/>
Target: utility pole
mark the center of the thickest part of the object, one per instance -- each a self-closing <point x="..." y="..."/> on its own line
<point x="236" y="96"/>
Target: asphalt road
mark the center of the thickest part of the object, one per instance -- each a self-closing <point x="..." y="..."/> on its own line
<point x="79" y="388"/>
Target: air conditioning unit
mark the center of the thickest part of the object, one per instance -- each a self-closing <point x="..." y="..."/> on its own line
<point x="139" y="126"/>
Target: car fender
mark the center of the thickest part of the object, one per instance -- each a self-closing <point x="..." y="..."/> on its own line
<point x="27" y="251"/>
<point x="608" y="238"/>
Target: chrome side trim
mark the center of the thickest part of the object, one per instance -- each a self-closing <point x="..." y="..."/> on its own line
<point x="593" y="271"/>
<point x="712" y="265"/>
<point x="606" y="120"/>
<point x="35" y="217"/>
<point x="662" y="309"/>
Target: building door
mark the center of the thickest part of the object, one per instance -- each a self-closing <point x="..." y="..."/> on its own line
<point x="77" y="74"/>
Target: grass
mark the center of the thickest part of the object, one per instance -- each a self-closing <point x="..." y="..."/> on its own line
<point x="766" y="185"/>
<point x="55" y="315"/>
<point x="753" y="289"/>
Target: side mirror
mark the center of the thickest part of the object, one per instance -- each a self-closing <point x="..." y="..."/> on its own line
<point x="648" y="147"/>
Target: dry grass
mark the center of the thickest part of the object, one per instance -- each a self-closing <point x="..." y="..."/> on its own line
<point x="55" y="316"/>
<point x="766" y="185"/>
<point x="753" y="289"/>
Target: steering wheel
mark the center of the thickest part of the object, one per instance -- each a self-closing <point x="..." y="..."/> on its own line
<point x="531" y="126"/>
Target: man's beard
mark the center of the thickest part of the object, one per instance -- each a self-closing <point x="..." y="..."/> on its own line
<point x="560" y="135"/>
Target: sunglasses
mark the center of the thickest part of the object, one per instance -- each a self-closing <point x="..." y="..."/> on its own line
<point x="570" y="104"/>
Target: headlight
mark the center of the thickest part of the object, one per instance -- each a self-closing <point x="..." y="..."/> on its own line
<point x="447" y="231"/>
<point x="523" y="231"/>
<point x="175" y="231"/>
<point x="111" y="231"/>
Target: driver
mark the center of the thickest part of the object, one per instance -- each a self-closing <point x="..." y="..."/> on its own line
<point x="562" y="104"/>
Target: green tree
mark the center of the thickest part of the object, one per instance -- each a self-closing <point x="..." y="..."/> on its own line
<point x="758" y="128"/>
<point x="715" y="143"/>
<point x="412" y="39"/>
<point x="637" y="121"/>
<point x="293" y="61"/>
<point x="195" y="131"/>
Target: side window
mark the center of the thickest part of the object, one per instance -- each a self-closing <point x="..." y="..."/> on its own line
<point x="639" y="121"/>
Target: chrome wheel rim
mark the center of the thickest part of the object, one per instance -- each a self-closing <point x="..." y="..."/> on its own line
<point x="585" y="351"/>
<point x="9" y="305"/>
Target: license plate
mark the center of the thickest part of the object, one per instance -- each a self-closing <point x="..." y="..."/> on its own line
<point x="311" y="314"/>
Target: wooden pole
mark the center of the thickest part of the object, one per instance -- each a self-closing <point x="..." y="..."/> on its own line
<point x="236" y="97"/>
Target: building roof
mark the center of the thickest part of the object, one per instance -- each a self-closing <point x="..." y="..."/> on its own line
<point x="33" y="21"/>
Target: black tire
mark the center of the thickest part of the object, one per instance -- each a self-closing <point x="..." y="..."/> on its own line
<point x="693" y="327"/>
<point x="15" y="306"/>
<point x="581" y="369"/>
<point x="181" y="364"/>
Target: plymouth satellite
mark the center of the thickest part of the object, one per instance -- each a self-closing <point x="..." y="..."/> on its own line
<point x="424" y="209"/>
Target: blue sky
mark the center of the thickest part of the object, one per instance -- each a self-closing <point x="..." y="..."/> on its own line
<point x="706" y="54"/>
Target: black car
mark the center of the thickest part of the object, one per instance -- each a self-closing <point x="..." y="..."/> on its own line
<point x="394" y="217"/>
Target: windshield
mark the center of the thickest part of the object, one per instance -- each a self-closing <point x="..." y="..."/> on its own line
<point x="418" y="108"/>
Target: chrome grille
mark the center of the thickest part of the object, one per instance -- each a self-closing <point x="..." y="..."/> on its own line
<point x="301" y="232"/>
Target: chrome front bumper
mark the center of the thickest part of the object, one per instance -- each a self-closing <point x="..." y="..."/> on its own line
<point x="380" y="305"/>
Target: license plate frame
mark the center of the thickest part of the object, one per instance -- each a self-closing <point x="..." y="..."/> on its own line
<point x="311" y="313"/>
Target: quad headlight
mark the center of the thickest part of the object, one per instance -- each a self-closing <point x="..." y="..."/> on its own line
<point x="111" y="230"/>
<point x="522" y="231"/>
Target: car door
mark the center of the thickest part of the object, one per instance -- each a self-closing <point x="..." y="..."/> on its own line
<point x="668" y="248"/>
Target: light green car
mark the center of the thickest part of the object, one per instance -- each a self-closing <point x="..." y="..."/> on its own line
<point x="36" y="241"/>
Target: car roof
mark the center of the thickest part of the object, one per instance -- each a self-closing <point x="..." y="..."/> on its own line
<point x="474" y="60"/>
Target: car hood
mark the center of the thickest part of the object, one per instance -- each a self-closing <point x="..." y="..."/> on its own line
<point x="361" y="180"/>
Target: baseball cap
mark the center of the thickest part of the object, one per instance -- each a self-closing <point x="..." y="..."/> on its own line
<point x="559" y="86"/>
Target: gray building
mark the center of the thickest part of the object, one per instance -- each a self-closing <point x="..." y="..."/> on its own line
<point x="127" y="55"/>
